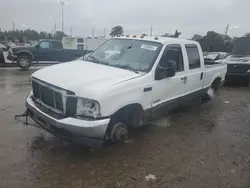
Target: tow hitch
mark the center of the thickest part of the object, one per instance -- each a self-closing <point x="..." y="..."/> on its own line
<point x="25" y="115"/>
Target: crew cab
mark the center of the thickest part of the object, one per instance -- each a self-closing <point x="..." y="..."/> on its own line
<point x="105" y="95"/>
<point x="45" y="50"/>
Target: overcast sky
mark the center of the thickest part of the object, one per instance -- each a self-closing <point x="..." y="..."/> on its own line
<point x="136" y="16"/>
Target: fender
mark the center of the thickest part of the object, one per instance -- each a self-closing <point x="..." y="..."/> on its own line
<point x="26" y="52"/>
<point x="217" y="75"/>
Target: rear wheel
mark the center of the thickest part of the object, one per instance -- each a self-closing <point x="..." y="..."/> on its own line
<point x="211" y="91"/>
<point x="24" y="62"/>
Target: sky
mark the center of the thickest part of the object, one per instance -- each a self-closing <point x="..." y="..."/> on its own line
<point x="136" y="16"/>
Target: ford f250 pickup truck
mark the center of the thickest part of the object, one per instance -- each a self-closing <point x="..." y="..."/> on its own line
<point x="103" y="97"/>
<point x="45" y="50"/>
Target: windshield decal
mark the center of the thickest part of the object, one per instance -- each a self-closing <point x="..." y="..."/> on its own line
<point x="149" y="47"/>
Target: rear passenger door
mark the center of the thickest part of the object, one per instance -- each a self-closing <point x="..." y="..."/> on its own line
<point x="57" y="53"/>
<point x="196" y="68"/>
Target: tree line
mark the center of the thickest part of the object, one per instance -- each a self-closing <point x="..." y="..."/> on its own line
<point x="211" y="42"/>
<point x="27" y="35"/>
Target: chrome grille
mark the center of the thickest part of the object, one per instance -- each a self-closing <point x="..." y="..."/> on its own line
<point x="48" y="96"/>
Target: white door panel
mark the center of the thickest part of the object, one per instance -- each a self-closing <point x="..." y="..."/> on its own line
<point x="169" y="88"/>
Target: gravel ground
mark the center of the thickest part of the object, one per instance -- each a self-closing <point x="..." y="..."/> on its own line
<point x="202" y="145"/>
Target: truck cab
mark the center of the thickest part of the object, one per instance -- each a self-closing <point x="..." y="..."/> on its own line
<point x="105" y="96"/>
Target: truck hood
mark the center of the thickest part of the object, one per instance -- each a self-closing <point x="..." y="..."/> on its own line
<point x="84" y="78"/>
<point x="238" y="59"/>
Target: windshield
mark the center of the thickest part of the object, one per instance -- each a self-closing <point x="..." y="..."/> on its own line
<point x="131" y="54"/>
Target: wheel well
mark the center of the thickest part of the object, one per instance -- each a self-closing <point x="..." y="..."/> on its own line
<point x="26" y="54"/>
<point x="216" y="83"/>
<point x="125" y="114"/>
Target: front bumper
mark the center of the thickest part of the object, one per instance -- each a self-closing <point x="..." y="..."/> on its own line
<point x="12" y="57"/>
<point x="89" y="133"/>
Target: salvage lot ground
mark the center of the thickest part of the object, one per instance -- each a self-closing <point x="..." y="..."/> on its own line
<point x="197" y="146"/>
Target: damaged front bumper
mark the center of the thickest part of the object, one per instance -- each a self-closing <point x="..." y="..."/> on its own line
<point x="87" y="132"/>
<point x="12" y="57"/>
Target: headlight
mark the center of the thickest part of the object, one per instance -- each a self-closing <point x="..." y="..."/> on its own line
<point x="88" y="108"/>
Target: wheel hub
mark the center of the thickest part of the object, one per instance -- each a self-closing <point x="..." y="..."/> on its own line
<point x="24" y="62"/>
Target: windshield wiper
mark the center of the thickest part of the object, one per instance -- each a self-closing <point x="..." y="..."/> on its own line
<point x="97" y="60"/>
<point x="127" y="67"/>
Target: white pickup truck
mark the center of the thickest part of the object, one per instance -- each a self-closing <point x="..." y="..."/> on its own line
<point x="104" y="96"/>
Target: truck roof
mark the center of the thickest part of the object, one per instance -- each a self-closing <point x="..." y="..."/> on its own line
<point x="162" y="40"/>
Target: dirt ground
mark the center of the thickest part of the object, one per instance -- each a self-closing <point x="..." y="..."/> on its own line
<point x="203" y="145"/>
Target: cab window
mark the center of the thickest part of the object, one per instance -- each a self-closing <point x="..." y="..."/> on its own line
<point x="173" y="52"/>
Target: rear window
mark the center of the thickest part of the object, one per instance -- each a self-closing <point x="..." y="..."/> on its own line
<point x="79" y="40"/>
<point x="193" y="56"/>
<point x="56" y="45"/>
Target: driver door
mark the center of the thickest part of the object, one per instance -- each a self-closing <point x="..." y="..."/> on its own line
<point x="168" y="90"/>
<point x="44" y="51"/>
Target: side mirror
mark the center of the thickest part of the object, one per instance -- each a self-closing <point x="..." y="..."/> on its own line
<point x="162" y="72"/>
<point x="37" y="46"/>
<point x="171" y="70"/>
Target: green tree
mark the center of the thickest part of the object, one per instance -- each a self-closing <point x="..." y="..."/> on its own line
<point x="197" y="37"/>
<point x="166" y="35"/>
<point x="247" y="35"/>
<point x="117" y="31"/>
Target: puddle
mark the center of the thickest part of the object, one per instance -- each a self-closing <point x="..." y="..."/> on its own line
<point x="163" y="122"/>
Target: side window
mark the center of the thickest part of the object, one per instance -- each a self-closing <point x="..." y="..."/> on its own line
<point x="56" y="45"/>
<point x="173" y="52"/>
<point x="193" y="56"/>
<point x="45" y="44"/>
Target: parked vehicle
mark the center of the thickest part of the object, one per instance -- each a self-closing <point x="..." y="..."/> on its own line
<point x="9" y="44"/>
<point x="238" y="64"/>
<point x="2" y="59"/>
<point x="81" y="43"/>
<point x="3" y="47"/>
<point x="103" y="97"/>
<point x="24" y="44"/>
<point x="215" y="57"/>
<point x="45" y="50"/>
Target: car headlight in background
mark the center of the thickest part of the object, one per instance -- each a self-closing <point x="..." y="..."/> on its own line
<point x="11" y="51"/>
<point x="88" y="108"/>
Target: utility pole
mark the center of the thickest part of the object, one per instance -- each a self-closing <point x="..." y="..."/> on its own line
<point x="62" y="2"/>
<point x="55" y="30"/>
<point x="71" y="31"/>
<point x="226" y="30"/>
<point x="14" y="26"/>
<point x="93" y="33"/>
<point x="151" y="31"/>
<point x="105" y="32"/>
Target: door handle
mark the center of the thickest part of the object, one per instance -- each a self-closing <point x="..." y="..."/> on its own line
<point x="184" y="79"/>
<point x="202" y="76"/>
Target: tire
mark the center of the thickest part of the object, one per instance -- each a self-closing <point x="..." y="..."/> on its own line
<point x="209" y="95"/>
<point x="247" y="81"/>
<point x="117" y="132"/>
<point x="137" y="118"/>
<point x="24" y="61"/>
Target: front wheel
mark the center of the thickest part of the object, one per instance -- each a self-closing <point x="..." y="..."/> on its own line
<point x="24" y="62"/>
<point x="118" y="132"/>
